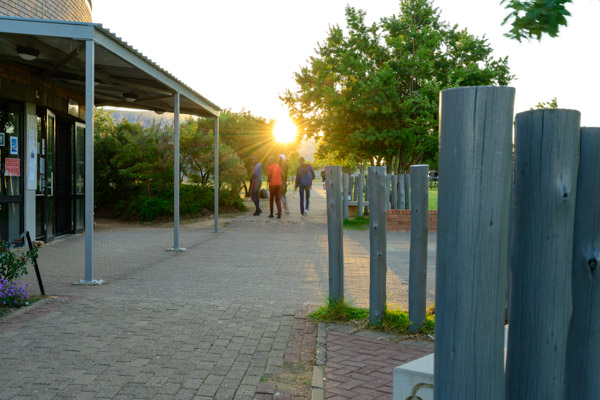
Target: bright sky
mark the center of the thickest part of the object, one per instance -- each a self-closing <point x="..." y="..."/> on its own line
<point x="242" y="54"/>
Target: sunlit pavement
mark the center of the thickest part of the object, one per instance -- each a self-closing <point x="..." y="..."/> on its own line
<point x="208" y="322"/>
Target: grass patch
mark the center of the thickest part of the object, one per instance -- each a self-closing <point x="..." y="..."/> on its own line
<point x="357" y="224"/>
<point x="393" y="321"/>
<point x="433" y="199"/>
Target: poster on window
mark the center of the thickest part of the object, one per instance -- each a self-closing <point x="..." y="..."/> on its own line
<point x="32" y="152"/>
<point x="14" y="145"/>
<point x="2" y="142"/>
<point x="12" y="167"/>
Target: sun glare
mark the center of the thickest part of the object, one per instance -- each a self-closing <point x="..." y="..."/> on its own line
<point x="285" y="131"/>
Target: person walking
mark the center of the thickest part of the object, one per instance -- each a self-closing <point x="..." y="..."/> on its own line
<point x="284" y="168"/>
<point x="304" y="178"/>
<point x="255" y="184"/>
<point x="274" y="173"/>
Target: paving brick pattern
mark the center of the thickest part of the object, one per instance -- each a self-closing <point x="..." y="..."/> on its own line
<point x="361" y="367"/>
<point x="206" y="323"/>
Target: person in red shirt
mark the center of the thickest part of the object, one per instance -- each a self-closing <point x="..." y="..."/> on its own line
<point x="275" y="173"/>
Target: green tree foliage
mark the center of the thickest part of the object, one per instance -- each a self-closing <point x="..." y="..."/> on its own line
<point x="546" y="104"/>
<point x="134" y="169"/>
<point x="532" y="18"/>
<point x="373" y="91"/>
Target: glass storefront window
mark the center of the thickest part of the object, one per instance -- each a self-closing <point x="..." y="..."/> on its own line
<point x="10" y="150"/>
<point x="10" y="221"/>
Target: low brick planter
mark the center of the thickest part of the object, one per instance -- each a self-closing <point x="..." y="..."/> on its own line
<point x="399" y="220"/>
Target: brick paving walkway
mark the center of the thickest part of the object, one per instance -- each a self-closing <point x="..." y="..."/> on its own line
<point x="360" y="366"/>
<point x="207" y="323"/>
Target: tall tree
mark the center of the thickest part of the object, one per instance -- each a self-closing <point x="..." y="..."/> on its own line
<point x="373" y="90"/>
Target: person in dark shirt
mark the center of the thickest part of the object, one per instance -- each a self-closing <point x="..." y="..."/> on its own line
<point x="304" y="178"/>
<point x="255" y="183"/>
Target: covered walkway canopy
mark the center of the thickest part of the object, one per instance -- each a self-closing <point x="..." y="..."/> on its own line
<point x="89" y="59"/>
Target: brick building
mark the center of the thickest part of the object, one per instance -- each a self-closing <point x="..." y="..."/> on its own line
<point x="63" y="10"/>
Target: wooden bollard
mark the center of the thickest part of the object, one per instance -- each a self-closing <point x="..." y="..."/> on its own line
<point x="583" y="344"/>
<point x="360" y="189"/>
<point x="407" y="191"/>
<point x="475" y="165"/>
<point x="378" y="245"/>
<point x="394" y="179"/>
<point x="401" y="192"/>
<point x="345" y="195"/>
<point x="547" y="160"/>
<point x="419" y="213"/>
<point x="335" y="231"/>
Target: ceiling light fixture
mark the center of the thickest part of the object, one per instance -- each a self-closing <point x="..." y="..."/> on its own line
<point x="27" y="53"/>
<point x="130" y="97"/>
<point x="159" y="112"/>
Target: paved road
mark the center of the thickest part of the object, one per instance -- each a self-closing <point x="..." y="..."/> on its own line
<point x="205" y="323"/>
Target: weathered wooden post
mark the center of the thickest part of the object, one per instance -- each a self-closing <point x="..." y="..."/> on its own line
<point x="345" y="195"/>
<point x="378" y="243"/>
<point x="407" y="191"/>
<point x="475" y="162"/>
<point x="335" y="231"/>
<point x="547" y="160"/>
<point x="394" y="179"/>
<point x="419" y="213"/>
<point x="583" y="344"/>
<point x="401" y="192"/>
<point x="359" y="189"/>
<point x="355" y="196"/>
<point x="366" y="193"/>
<point x="350" y="187"/>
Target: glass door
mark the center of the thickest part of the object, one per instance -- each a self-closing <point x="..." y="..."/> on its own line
<point x="50" y="147"/>
<point x="40" y="192"/>
<point x="78" y="183"/>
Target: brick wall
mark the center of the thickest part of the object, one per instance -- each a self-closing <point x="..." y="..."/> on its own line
<point x="399" y="220"/>
<point x="65" y="10"/>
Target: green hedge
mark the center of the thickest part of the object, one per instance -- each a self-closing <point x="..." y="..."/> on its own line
<point x="194" y="200"/>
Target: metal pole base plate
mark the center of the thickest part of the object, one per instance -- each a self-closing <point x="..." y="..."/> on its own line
<point x="176" y="249"/>
<point x="95" y="282"/>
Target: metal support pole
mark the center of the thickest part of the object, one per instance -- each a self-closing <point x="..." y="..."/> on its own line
<point x="176" y="99"/>
<point x="216" y="211"/>
<point x="419" y="214"/>
<point x="472" y="242"/>
<point x="547" y="146"/>
<point x="89" y="166"/>
<point x="378" y="242"/>
<point x="335" y="231"/>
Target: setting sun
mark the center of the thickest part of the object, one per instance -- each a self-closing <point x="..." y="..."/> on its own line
<point x="285" y="131"/>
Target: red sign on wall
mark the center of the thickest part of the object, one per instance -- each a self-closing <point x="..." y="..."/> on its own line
<point x="13" y="167"/>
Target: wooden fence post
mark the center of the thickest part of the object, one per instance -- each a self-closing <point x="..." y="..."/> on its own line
<point x="547" y="160"/>
<point x="475" y="164"/>
<point x="378" y="243"/>
<point x="335" y="231"/>
<point x="366" y="192"/>
<point x="355" y="194"/>
<point x="583" y="344"/>
<point x="345" y="195"/>
<point x="394" y="179"/>
<point x="407" y="191"/>
<point x="419" y="213"/>
<point x="401" y="192"/>
<point x="360" y="189"/>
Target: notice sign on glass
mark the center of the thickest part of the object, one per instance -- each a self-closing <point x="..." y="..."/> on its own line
<point x="12" y="167"/>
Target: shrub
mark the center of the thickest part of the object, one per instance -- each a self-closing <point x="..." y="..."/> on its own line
<point x="13" y="295"/>
<point x="14" y="264"/>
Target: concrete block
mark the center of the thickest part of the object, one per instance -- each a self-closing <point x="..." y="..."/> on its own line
<point x="407" y="376"/>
